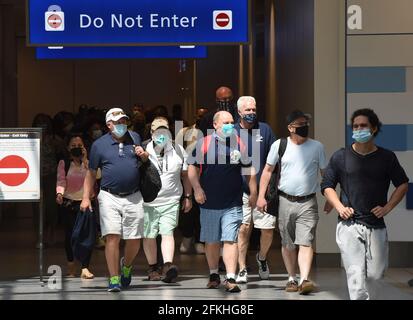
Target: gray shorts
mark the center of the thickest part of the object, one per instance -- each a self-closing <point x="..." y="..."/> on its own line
<point x="297" y="222"/>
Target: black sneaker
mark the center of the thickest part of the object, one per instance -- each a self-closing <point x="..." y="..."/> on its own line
<point x="214" y="281"/>
<point x="170" y="273"/>
<point x="231" y="286"/>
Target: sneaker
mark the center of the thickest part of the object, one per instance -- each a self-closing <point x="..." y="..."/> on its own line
<point x="125" y="274"/>
<point x="214" y="281"/>
<point x="306" y="287"/>
<point x="231" y="286"/>
<point x="186" y="244"/>
<point x="154" y="274"/>
<point x="263" y="269"/>
<point x="242" y="276"/>
<point x="170" y="273"/>
<point x="292" y="286"/>
<point x="114" y="284"/>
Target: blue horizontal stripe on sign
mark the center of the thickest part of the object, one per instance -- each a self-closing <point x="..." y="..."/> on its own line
<point x="392" y="137"/>
<point x="376" y="79"/>
<point x="409" y="197"/>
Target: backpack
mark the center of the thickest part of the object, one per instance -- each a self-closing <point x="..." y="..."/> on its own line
<point x="271" y="194"/>
<point x="149" y="179"/>
<point x="207" y="142"/>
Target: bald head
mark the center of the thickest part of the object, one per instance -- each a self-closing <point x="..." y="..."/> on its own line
<point x="221" y="118"/>
<point x="224" y="93"/>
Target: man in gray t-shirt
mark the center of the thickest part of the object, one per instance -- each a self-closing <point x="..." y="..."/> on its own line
<point x="298" y="210"/>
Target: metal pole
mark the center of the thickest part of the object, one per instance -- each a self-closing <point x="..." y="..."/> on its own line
<point x="241" y="68"/>
<point x="41" y="216"/>
<point x="272" y="108"/>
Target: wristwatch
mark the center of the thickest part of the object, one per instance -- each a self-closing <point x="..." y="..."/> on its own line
<point x="188" y="196"/>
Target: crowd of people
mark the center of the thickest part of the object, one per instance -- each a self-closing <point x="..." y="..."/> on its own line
<point x="215" y="175"/>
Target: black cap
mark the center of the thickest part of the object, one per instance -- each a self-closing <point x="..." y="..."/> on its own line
<point x="296" y="114"/>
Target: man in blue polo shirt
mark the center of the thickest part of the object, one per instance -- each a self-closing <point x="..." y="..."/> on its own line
<point x="260" y="138"/>
<point x="117" y="154"/>
<point x="215" y="172"/>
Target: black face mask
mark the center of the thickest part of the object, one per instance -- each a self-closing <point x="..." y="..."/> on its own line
<point x="224" y="106"/>
<point x="302" y="131"/>
<point x="76" y="152"/>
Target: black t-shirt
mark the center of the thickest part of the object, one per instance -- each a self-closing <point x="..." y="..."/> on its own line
<point x="364" y="181"/>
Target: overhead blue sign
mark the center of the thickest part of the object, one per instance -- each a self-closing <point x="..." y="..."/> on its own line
<point x="121" y="53"/>
<point x="137" y="22"/>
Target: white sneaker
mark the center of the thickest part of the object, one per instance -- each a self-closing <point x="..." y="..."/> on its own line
<point x="185" y="245"/>
<point x="242" y="276"/>
<point x="263" y="270"/>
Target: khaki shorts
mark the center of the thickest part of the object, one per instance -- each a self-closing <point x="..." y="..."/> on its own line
<point x="260" y="220"/>
<point x="161" y="220"/>
<point x="297" y="222"/>
<point x="121" y="215"/>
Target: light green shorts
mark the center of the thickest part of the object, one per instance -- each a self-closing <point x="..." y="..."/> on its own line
<point x="160" y="220"/>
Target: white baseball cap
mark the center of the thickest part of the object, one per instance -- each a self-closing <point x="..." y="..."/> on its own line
<point x="115" y="114"/>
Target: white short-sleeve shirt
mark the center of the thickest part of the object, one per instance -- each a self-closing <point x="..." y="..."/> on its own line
<point x="300" y="166"/>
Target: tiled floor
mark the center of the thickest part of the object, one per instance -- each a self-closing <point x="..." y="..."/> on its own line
<point x="19" y="280"/>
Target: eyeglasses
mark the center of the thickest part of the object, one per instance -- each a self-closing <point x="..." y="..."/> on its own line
<point x="121" y="153"/>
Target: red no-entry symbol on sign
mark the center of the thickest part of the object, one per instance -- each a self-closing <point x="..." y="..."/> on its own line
<point x="222" y="19"/>
<point x="54" y="21"/>
<point x="14" y="171"/>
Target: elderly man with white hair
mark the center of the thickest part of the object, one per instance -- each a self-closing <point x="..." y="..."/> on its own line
<point x="259" y="137"/>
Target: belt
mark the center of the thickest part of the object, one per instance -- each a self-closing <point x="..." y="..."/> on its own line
<point x="118" y="194"/>
<point x="296" y="198"/>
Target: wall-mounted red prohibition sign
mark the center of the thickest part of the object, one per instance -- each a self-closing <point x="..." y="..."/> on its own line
<point x="222" y="19"/>
<point x="54" y="21"/>
<point x="14" y="171"/>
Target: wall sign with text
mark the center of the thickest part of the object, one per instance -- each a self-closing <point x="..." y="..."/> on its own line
<point x="131" y="22"/>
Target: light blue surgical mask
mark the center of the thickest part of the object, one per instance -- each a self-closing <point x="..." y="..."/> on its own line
<point x="161" y="140"/>
<point x="362" y="136"/>
<point x="120" y="130"/>
<point x="227" y="130"/>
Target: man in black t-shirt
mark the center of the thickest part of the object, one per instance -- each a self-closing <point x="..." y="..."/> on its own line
<point x="364" y="172"/>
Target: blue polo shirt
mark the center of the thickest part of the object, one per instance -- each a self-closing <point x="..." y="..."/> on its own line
<point x="120" y="170"/>
<point x="260" y="139"/>
<point x="221" y="177"/>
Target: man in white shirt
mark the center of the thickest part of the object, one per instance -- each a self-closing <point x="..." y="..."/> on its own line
<point x="298" y="210"/>
<point x="161" y="215"/>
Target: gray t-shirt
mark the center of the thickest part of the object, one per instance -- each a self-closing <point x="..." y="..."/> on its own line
<point x="299" y="166"/>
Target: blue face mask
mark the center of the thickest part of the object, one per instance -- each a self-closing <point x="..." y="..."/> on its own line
<point x="227" y="130"/>
<point x="119" y="130"/>
<point x="250" y="118"/>
<point x="161" y="140"/>
<point x="362" y="136"/>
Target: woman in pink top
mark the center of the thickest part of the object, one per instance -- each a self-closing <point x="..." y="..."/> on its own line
<point x="69" y="191"/>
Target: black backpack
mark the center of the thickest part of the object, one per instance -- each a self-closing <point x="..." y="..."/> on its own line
<point x="271" y="195"/>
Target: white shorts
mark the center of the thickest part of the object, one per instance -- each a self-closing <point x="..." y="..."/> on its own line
<point x="121" y="215"/>
<point x="261" y="220"/>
